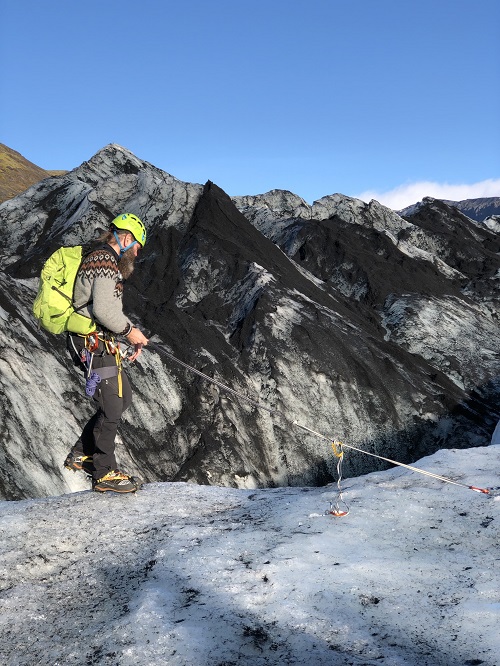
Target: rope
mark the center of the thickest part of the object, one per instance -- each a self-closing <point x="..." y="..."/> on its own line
<point x="156" y="347"/>
<point x="92" y="377"/>
<point x="395" y="462"/>
<point x="336" y="507"/>
<point x="91" y="384"/>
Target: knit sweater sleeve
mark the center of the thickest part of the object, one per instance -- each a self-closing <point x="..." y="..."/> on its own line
<point x="99" y="288"/>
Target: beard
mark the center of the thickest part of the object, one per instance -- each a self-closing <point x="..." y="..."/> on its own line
<point x="126" y="264"/>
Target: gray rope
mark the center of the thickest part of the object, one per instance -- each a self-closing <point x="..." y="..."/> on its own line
<point x="156" y="347"/>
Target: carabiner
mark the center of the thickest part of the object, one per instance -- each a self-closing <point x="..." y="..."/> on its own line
<point x="92" y="342"/>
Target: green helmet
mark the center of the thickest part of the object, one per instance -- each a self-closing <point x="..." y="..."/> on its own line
<point x="129" y="222"/>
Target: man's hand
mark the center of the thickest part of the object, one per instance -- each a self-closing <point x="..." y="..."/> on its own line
<point x="136" y="338"/>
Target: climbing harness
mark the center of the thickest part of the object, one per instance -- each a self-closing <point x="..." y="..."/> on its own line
<point x="338" y="447"/>
<point x="93" y="342"/>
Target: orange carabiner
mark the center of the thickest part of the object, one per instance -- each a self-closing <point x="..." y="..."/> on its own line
<point x="337" y="513"/>
<point x="91" y="342"/>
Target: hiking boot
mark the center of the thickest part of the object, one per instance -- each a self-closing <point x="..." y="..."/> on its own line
<point x="117" y="482"/>
<point x="78" y="461"/>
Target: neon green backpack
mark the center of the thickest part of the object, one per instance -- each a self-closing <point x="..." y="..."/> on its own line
<point x="53" y="305"/>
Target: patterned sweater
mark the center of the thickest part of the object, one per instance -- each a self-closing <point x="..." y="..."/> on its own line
<point x="99" y="280"/>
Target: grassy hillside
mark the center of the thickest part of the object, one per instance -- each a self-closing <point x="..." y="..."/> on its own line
<point x="17" y="173"/>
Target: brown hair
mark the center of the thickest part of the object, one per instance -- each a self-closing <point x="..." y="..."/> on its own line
<point x="126" y="261"/>
<point x="109" y="235"/>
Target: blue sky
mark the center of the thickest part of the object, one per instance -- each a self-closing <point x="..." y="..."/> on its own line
<point x="389" y="99"/>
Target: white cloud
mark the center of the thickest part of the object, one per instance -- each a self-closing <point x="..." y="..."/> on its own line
<point x="410" y="193"/>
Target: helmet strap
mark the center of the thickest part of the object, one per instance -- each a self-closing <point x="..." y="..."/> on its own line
<point x="127" y="247"/>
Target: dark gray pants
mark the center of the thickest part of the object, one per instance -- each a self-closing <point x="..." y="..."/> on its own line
<point x="98" y="435"/>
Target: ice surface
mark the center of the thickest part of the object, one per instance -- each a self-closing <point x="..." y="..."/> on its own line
<point x="182" y="574"/>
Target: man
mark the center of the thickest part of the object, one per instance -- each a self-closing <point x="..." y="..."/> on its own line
<point x="98" y="295"/>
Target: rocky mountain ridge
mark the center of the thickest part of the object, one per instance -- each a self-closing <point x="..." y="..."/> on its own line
<point x="480" y="209"/>
<point x="374" y="329"/>
<point x="17" y="173"/>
